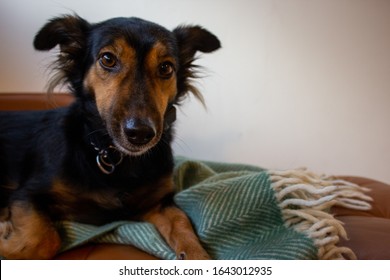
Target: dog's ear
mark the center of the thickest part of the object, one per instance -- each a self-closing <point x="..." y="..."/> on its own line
<point x="195" y="38"/>
<point x="191" y="39"/>
<point x="70" y="33"/>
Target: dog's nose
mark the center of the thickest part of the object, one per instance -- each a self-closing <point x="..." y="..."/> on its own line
<point x="139" y="132"/>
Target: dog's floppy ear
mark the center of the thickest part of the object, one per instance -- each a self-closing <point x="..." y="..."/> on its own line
<point x="70" y="33"/>
<point x="66" y="31"/>
<point x="191" y="39"/>
<point x="195" y="38"/>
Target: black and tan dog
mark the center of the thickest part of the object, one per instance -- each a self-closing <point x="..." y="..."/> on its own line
<point x="107" y="156"/>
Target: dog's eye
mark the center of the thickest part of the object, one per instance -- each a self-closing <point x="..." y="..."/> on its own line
<point x="166" y="70"/>
<point x="108" y="60"/>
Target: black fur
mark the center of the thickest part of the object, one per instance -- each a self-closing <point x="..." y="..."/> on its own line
<point x="39" y="148"/>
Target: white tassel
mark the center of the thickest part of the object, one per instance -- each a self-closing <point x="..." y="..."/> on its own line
<point x="305" y="199"/>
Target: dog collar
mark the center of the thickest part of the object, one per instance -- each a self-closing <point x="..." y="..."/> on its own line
<point x="108" y="158"/>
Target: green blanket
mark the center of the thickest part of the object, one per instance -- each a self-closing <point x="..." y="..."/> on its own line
<point x="243" y="212"/>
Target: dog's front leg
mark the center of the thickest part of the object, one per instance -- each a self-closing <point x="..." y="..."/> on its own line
<point x="27" y="234"/>
<point x="176" y="228"/>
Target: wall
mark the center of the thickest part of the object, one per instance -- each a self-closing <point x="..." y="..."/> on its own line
<point x="297" y="83"/>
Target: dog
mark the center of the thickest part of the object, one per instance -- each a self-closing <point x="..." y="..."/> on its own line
<point x="107" y="156"/>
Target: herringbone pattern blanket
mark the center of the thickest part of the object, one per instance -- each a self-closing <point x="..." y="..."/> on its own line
<point x="244" y="212"/>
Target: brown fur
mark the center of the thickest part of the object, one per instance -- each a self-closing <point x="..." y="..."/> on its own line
<point x="27" y="234"/>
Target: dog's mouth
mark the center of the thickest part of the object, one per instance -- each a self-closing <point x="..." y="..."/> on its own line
<point x="136" y="140"/>
<point x="132" y="151"/>
<point x="136" y="136"/>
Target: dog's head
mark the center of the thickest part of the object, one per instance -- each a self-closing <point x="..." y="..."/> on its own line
<point x="131" y="69"/>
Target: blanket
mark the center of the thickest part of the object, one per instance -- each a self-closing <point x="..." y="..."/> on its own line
<point x="243" y="212"/>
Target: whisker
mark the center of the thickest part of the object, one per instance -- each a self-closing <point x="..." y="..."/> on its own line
<point x="181" y="144"/>
<point x="98" y="130"/>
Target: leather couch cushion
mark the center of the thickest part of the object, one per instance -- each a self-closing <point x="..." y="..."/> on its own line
<point x="368" y="231"/>
<point x="33" y="101"/>
<point x="105" y="252"/>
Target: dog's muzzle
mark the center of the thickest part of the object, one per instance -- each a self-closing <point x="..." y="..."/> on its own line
<point x="138" y="132"/>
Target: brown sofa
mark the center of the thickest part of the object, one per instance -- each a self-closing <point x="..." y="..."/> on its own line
<point x="368" y="231"/>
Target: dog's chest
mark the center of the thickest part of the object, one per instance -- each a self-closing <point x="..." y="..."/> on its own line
<point x="65" y="193"/>
<point x="100" y="205"/>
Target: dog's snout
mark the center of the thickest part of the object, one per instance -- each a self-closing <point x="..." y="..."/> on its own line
<point x="139" y="132"/>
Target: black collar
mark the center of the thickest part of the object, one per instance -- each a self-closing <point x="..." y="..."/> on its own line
<point x="107" y="158"/>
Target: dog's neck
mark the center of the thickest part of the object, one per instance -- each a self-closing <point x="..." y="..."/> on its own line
<point x="108" y="157"/>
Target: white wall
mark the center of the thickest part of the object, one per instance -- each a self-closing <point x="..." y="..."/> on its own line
<point x="297" y="83"/>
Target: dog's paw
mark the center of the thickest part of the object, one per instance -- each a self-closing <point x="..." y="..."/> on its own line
<point x="5" y="230"/>
<point x="16" y="244"/>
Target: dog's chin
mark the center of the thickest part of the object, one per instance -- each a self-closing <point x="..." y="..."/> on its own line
<point x="128" y="149"/>
<point x="123" y="145"/>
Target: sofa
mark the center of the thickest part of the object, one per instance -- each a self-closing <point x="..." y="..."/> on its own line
<point x="368" y="231"/>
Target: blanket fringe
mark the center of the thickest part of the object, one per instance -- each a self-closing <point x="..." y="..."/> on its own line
<point x="305" y="199"/>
